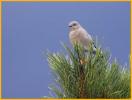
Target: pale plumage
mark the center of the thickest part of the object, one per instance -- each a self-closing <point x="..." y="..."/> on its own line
<point x="80" y="35"/>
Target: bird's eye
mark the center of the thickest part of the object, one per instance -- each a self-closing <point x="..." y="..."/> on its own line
<point x="74" y="24"/>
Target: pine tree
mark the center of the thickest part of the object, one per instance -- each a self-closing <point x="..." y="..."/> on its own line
<point x="84" y="74"/>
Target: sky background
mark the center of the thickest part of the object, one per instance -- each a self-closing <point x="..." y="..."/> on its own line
<point x="29" y="29"/>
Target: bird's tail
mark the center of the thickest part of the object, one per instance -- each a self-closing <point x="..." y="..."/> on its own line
<point x="94" y="49"/>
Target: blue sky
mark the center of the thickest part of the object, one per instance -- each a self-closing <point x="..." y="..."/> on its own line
<point x="29" y="29"/>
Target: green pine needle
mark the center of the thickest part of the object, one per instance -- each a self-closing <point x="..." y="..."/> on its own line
<point x="96" y="77"/>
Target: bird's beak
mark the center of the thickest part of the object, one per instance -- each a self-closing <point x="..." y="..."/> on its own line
<point x="69" y="26"/>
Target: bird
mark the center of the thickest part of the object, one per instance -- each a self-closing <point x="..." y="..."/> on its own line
<point x="78" y="34"/>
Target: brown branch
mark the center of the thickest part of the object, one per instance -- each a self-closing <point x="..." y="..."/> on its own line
<point x="81" y="85"/>
<point x="81" y="76"/>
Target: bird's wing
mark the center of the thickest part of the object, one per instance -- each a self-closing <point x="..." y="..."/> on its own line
<point x="85" y="38"/>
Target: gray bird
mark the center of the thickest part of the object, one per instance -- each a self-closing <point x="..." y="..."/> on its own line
<point x="79" y="35"/>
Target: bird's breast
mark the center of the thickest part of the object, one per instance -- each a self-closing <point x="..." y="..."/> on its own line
<point x="74" y="36"/>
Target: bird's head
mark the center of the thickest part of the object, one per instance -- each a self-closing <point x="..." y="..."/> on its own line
<point x="73" y="25"/>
